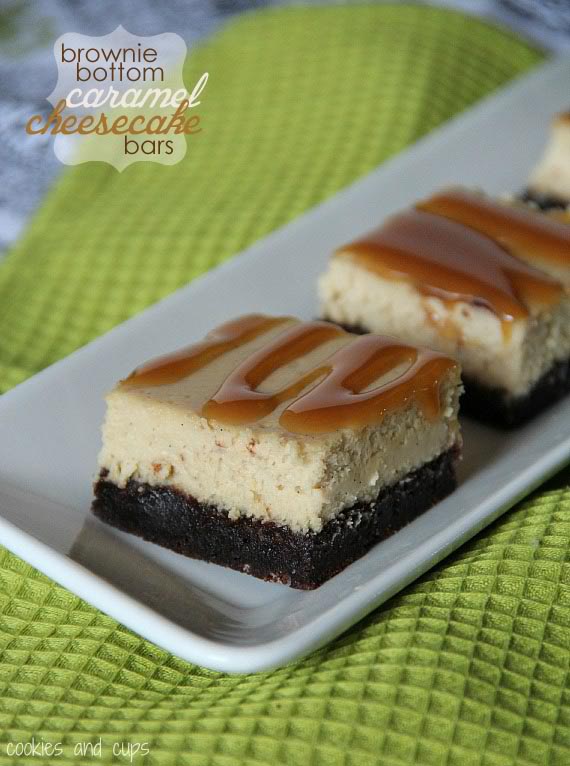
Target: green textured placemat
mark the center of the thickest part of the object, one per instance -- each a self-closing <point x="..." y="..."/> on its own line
<point x="470" y="665"/>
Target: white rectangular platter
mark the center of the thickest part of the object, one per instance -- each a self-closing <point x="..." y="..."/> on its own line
<point x="50" y="425"/>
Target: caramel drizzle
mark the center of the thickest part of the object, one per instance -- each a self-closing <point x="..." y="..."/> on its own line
<point x="453" y="262"/>
<point x="521" y="230"/>
<point x="341" y="401"/>
<point x="238" y="401"/>
<point x="329" y="396"/>
<point x="173" y="367"/>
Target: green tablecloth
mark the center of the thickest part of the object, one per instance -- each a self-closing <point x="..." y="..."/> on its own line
<point x="469" y="666"/>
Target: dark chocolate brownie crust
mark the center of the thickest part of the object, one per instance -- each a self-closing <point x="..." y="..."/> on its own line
<point x="501" y="409"/>
<point x="544" y="201"/>
<point x="264" y="549"/>
<point x="494" y="406"/>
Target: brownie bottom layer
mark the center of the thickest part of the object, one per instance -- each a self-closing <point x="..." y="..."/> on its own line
<point x="499" y="408"/>
<point x="492" y="405"/>
<point x="264" y="549"/>
<point x="544" y="201"/>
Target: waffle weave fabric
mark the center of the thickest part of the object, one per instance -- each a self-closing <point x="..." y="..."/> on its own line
<point x="467" y="667"/>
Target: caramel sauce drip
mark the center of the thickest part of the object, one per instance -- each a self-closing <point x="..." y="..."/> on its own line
<point x="453" y="262"/>
<point x="341" y="401"/>
<point x="237" y="400"/>
<point x="336" y="395"/>
<point x="331" y="395"/>
<point x="173" y="367"/>
<point x="521" y="230"/>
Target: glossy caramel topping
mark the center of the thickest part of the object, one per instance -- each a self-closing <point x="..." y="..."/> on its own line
<point x="173" y="367"/>
<point x="341" y="399"/>
<point x="238" y="400"/>
<point x="336" y="391"/>
<point x="453" y="262"/>
<point x="521" y="230"/>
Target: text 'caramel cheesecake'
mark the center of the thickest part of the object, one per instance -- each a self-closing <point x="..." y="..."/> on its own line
<point x="482" y="280"/>
<point x="280" y="448"/>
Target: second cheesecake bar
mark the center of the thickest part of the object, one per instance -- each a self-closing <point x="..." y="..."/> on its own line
<point x="466" y="275"/>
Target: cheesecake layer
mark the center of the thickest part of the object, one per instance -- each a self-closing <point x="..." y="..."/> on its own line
<point x="156" y="435"/>
<point x="270" y="551"/>
<point x="549" y="182"/>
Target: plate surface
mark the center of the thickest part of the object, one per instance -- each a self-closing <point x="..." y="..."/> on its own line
<point x="202" y="612"/>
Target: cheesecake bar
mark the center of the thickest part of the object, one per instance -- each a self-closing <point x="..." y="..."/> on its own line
<point x="549" y="183"/>
<point x="280" y="448"/>
<point x="475" y="278"/>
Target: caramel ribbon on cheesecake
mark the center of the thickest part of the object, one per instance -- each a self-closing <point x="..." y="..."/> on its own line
<point x="518" y="228"/>
<point x="343" y="399"/>
<point x="456" y="247"/>
<point x="335" y="393"/>
<point x="173" y="367"/>
<point x="354" y="386"/>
